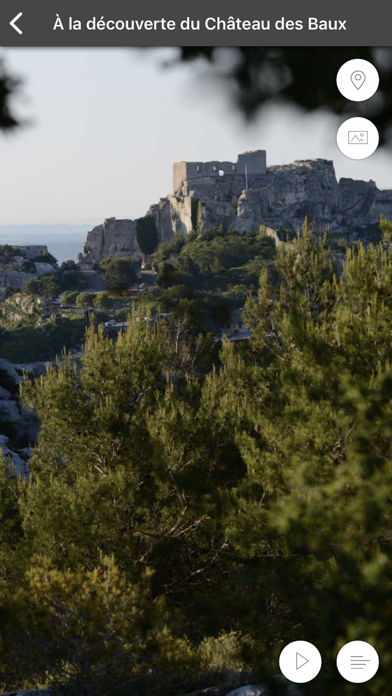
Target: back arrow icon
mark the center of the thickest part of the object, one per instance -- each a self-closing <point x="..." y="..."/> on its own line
<point x="13" y="23"/>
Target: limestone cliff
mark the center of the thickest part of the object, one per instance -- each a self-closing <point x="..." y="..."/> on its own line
<point x="16" y="279"/>
<point x="280" y="199"/>
<point x="112" y="238"/>
<point x="13" y="273"/>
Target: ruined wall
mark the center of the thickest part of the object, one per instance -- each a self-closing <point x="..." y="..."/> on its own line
<point x="255" y="161"/>
<point x="30" y="251"/>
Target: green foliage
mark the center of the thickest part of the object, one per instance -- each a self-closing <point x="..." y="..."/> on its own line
<point x="111" y="476"/>
<point x="11" y="563"/>
<point x="68" y="277"/>
<point x="32" y="287"/>
<point x="29" y="267"/>
<point x="85" y="299"/>
<point x="103" y="301"/>
<point x="199" y="218"/>
<point x="69" y="297"/>
<point x="168" y="275"/>
<point x="19" y="311"/>
<point x="45" y="257"/>
<point x="8" y="253"/>
<point x="147" y="235"/>
<point x="217" y="260"/>
<point x="194" y="213"/>
<point x="91" y="631"/>
<point x="26" y="343"/>
<point x="168" y="249"/>
<point x="119" y="274"/>
<point x="71" y="277"/>
<point x="260" y="481"/>
<point x="46" y="286"/>
<point x="189" y="351"/>
<point x="386" y="228"/>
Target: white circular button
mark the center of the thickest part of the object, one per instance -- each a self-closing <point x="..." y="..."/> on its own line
<point x="357" y="138"/>
<point x="357" y="80"/>
<point x="300" y="662"/>
<point x="357" y="661"/>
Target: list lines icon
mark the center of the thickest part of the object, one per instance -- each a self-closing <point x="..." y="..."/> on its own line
<point x="358" y="662"/>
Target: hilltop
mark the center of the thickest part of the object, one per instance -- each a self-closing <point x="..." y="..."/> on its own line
<point x="219" y="195"/>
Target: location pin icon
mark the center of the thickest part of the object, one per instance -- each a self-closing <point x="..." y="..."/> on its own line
<point x="358" y="78"/>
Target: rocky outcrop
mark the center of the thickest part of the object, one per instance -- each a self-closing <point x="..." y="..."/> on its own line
<point x="19" y="308"/>
<point x="18" y="464"/>
<point x="279" y="199"/>
<point x="14" y="278"/>
<point x="14" y="274"/>
<point x="113" y="238"/>
<point x="286" y="688"/>
<point x="34" y="369"/>
<point x="249" y="215"/>
<point x="249" y="690"/>
<point x="173" y="215"/>
<point x="7" y="369"/>
<point x="15" y="420"/>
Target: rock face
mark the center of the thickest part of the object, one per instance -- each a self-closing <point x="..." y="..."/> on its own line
<point x="31" y="251"/>
<point x="278" y="198"/>
<point x="250" y="690"/>
<point x="15" y="420"/>
<point x="12" y="274"/>
<point x="20" y="466"/>
<point x="289" y="689"/>
<point x="112" y="238"/>
<point x="173" y="215"/>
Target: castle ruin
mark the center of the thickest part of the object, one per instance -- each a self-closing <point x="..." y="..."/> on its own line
<point x="279" y="198"/>
<point x="255" y="161"/>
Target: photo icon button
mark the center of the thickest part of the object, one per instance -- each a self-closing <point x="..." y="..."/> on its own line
<point x="357" y="662"/>
<point x="300" y="662"/>
<point x="357" y="138"/>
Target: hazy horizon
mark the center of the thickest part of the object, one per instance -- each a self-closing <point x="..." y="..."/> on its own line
<point x="105" y="126"/>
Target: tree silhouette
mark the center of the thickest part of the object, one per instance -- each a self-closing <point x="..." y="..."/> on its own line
<point x="147" y="235"/>
<point x="8" y="85"/>
<point x="301" y="76"/>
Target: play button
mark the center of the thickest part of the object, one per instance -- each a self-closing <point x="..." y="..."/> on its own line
<point x="300" y="662"/>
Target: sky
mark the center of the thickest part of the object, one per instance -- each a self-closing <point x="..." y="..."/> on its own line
<point x="103" y="127"/>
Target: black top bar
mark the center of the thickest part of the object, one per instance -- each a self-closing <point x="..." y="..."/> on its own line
<point x="202" y="23"/>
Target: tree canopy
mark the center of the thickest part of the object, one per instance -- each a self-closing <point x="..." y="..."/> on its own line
<point x="234" y="507"/>
<point x="147" y="234"/>
<point x="119" y="273"/>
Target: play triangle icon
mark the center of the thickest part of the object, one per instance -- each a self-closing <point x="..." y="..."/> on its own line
<point x="300" y="661"/>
